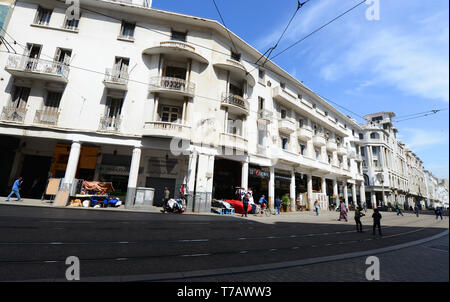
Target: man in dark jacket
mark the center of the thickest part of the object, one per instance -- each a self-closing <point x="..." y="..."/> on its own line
<point x="376" y="221"/>
<point x="358" y="215"/>
<point x="245" y="201"/>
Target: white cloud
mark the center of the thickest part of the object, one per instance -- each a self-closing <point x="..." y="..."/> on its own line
<point x="416" y="64"/>
<point x="417" y="139"/>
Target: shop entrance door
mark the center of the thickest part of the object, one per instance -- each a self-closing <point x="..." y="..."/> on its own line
<point x="35" y="173"/>
<point x="158" y="184"/>
<point x="227" y="176"/>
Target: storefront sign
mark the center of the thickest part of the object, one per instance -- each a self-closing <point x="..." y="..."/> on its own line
<point x="114" y="170"/>
<point x="282" y="178"/>
<point x="259" y="173"/>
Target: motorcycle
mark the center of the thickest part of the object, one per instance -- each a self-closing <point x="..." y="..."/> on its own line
<point x="176" y="206"/>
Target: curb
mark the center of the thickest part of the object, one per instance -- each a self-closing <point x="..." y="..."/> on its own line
<point x="248" y="269"/>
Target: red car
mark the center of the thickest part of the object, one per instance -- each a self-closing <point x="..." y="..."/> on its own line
<point x="238" y="206"/>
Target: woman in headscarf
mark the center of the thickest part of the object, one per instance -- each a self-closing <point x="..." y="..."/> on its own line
<point x="343" y="213"/>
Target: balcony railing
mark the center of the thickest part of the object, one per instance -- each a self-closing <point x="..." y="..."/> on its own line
<point x="166" y="129"/>
<point x="116" y="76"/>
<point x="233" y="141"/>
<point x="46" y="117"/>
<point x="235" y="100"/>
<point x="264" y="114"/>
<point x="13" y="114"/>
<point x="172" y="84"/>
<point x="23" y="63"/>
<point x="109" y="124"/>
<point x="177" y="44"/>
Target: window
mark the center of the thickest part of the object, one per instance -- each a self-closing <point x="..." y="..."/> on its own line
<point x="43" y="16"/>
<point x="361" y="136"/>
<point x="260" y="103"/>
<point x="314" y="106"/>
<point x="300" y="123"/>
<point x="330" y="158"/>
<point x="127" y="30"/>
<point x="114" y="107"/>
<point x="51" y="102"/>
<point x="261" y="76"/>
<point x="179" y="36"/>
<point x="175" y="72"/>
<point x="20" y="97"/>
<point x="283" y="85"/>
<point x="302" y="148"/>
<point x="317" y="151"/>
<point x="235" y="90"/>
<point x="374" y="135"/>
<point x="284" y="143"/>
<point x="71" y="24"/>
<point x="363" y="153"/>
<point x="170" y="114"/>
<point x="377" y="119"/>
<point x="234" y="125"/>
<point x="326" y="113"/>
<point x="283" y="113"/>
<point x="236" y="56"/>
<point x="63" y="55"/>
<point x="300" y="96"/>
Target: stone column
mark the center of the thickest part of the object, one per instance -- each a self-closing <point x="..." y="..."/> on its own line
<point x="355" y="201"/>
<point x="244" y="176"/>
<point x="72" y="165"/>
<point x="335" y="189"/>
<point x="292" y="191"/>
<point x="190" y="180"/>
<point x="373" y="197"/>
<point x="362" y="193"/>
<point x="133" y="177"/>
<point x="310" y="192"/>
<point x="324" y="185"/>
<point x="345" y="194"/>
<point x="272" y="189"/>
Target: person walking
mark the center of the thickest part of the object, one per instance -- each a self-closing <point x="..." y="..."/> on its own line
<point x="166" y="198"/>
<point x="15" y="189"/>
<point x="277" y="206"/>
<point x="263" y="203"/>
<point x="399" y="211"/>
<point x="376" y="221"/>
<point x="245" y="201"/>
<point x="343" y="212"/>
<point x="358" y="215"/>
<point x="316" y="206"/>
<point x="438" y="213"/>
<point x="416" y="210"/>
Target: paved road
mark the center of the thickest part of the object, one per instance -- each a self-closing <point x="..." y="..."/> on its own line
<point x="35" y="242"/>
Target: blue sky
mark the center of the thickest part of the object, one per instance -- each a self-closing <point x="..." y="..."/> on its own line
<point x="399" y="63"/>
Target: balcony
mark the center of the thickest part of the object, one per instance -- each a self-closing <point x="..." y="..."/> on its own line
<point x="304" y="134"/>
<point x="331" y="145"/>
<point x="44" y="117"/>
<point x="265" y="115"/>
<point x="319" y="140"/>
<point x="283" y="96"/>
<point x="237" y="70"/>
<point x="13" y="114"/>
<point x="341" y="151"/>
<point x="109" y="124"/>
<point x="286" y="126"/>
<point x="233" y="141"/>
<point x="172" y="86"/>
<point x="235" y="104"/>
<point x="37" y="69"/>
<point x="178" y="49"/>
<point x="165" y="129"/>
<point x="116" y="79"/>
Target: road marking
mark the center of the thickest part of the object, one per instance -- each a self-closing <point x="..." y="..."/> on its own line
<point x="121" y="259"/>
<point x="243" y="252"/>
<point x="56" y="243"/>
<point x="295" y="247"/>
<point x="195" y="255"/>
<point x="194" y="240"/>
<point x="273" y="250"/>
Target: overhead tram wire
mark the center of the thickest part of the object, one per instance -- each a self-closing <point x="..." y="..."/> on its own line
<point x="223" y="22"/>
<point x="271" y="49"/>
<point x="419" y="113"/>
<point x="313" y="32"/>
<point x="432" y="112"/>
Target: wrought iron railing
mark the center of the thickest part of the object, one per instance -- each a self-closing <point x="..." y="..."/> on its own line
<point x="46" y="117"/>
<point x="174" y="84"/>
<point x="23" y="63"/>
<point x="13" y="114"/>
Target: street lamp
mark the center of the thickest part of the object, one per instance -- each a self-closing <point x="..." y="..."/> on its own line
<point x="380" y="178"/>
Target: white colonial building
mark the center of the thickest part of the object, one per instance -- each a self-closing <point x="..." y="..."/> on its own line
<point x="148" y="98"/>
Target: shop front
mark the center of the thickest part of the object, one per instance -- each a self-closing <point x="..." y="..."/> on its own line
<point x="258" y="181"/>
<point x="227" y="177"/>
<point x="282" y="185"/>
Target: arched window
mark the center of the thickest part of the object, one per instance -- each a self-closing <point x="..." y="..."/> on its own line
<point x="374" y="135"/>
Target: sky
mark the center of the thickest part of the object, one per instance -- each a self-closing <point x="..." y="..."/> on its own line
<point x="398" y="63"/>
